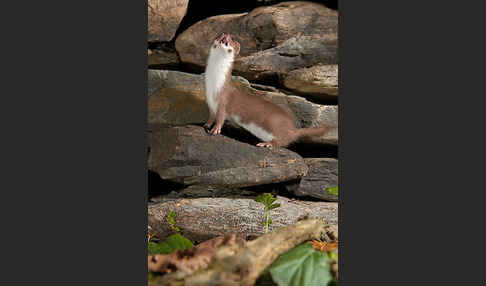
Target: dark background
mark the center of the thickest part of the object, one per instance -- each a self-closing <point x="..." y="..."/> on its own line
<point x="74" y="178"/>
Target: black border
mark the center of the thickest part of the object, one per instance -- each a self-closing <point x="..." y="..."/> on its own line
<point x="75" y="144"/>
<point x="74" y="203"/>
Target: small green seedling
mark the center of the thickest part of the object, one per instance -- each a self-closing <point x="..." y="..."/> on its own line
<point x="171" y="220"/>
<point x="173" y="242"/>
<point x="333" y="191"/>
<point x="267" y="200"/>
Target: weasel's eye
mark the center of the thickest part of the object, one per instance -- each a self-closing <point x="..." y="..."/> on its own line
<point x="229" y="50"/>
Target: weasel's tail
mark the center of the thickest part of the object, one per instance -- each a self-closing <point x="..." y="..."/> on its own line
<point x="312" y="132"/>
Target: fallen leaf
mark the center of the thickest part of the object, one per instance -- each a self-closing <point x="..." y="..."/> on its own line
<point x="192" y="259"/>
<point x="324" y="246"/>
<point x="301" y="265"/>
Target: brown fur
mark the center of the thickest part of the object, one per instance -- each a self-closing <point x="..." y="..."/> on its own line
<point x="254" y="109"/>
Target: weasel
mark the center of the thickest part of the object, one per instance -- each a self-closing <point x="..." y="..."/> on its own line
<point x="267" y="121"/>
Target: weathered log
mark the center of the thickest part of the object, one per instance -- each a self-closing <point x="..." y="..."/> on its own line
<point x="204" y="218"/>
<point x="243" y="263"/>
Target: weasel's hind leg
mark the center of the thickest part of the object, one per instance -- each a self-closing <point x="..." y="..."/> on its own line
<point x="282" y="141"/>
<point x="266" y="144"/>
<point x="272" y="144"/>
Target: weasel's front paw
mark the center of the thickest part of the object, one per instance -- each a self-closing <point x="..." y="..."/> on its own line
<point x="216" y="130"/>
<point x="207" y="126"/>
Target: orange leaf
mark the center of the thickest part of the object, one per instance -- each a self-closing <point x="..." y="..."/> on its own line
<point x="324" y="246"/>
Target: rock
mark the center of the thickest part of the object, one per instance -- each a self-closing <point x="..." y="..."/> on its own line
<point x="274" y="39"/>
<point x="178" y="98"/>
<point x="320" y="81"/>
<point x="164" y="17"/>
<point x="323" y="173"/>
<point x="175" y="98"/>
<point x="296" y="52"/>
<point x="162" y="59"/>
<point x="310" y="114"/>
<point x="189" y="156"/>
<point x="204" y="218"/>
<point x="202" y="191"/>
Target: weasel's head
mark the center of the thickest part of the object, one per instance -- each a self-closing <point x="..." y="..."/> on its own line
<point x="225" y="44"/>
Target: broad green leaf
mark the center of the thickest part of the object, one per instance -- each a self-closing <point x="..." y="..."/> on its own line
<point x="270" y="221"/>
<point x="177" y="241"/>
<point x="302" y="266"/>
<point x="158" y="248"/>
<point x="333" y="191"/>
<point x="173" y="242"/>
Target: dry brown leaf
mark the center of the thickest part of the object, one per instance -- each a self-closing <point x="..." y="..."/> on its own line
<point x="190" y="260"/>
<point x="151" y="233"/>
<point x="324" y="246"/>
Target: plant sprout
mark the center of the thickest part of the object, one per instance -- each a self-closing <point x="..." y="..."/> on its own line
<point x="267" y="200"/>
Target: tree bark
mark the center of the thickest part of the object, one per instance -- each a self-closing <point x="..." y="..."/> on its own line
<point x="204" y="218"/>
<point x="242" y="264"/>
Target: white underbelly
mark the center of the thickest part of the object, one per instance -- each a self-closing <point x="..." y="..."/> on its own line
<point x="254" y="129"/>
<point x="212" y="102"/>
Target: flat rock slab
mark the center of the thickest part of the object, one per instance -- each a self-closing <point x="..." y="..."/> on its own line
<point x="274" y="39"/>
<point x="164" y="17"/>
<point x="204" y="218"/>
<point x="202" y="191"/>
<point x="320" y="81"/>
<point x="323" y="173"/>
<point x="189" y="156"/>
<point x="178" y="98"/>
<point x="296" y="52"/>
<point x="162" y="59"/>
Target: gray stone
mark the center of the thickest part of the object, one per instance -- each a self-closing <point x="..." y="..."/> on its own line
<point x="274" y="39"/>
<point x="323" y="173"/>
<point x="190" y="156"/>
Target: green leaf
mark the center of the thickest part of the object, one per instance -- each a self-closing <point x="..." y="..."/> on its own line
<point x="333" y="191"/>
<point x="173" y="242"/>
<point x="333" y="255"/>
<point x="158" y="248"/>
<point x="266" y="199"/>
<point x="171" y="220"/>
<point x="274" y="206"/>
<point x="302" y="266"/>
<point x="270" y="221"/>
<point x="333" y="283"/>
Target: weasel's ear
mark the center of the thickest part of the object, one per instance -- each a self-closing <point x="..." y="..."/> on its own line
<point x="237" y="48"/>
